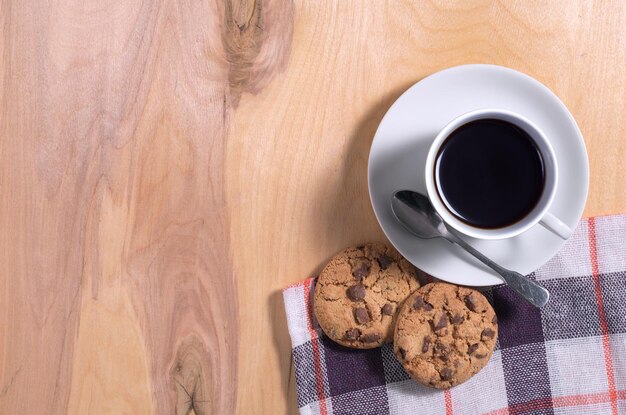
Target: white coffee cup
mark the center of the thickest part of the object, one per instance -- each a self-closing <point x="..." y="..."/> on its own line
<point x="539" y="214"/>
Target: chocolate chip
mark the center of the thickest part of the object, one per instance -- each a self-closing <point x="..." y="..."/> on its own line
<point x="426" y="344"/>
<point x="472" y="348"/>
<point x="361" y="315"/>
<point x="471" y="303"/>
<point x="442" y="323"/>
<point x="481" y="356"/>
<point x="370" y="338"/>
<point x="488" y="333"/>
<point x="356" y="292"/>
<point x="421" y="304"/>
<point x="457" y="319"/>
<point x="446" y="373"/>
<point x="402" y="353"/>
<point x="384" y="261"/>
<point x="494" y="320"/>
<point x="362" y="270"/>
<point x="360" y="247"/>
<point x="387" y="309"/>
<point x="442" y="351"/>
<point x="352" y="334"/>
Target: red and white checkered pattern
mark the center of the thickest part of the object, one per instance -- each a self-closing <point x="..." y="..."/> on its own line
<point x="568" y="358"/>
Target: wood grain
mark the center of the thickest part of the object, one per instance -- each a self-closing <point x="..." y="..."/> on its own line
<point x="166" y="167"/>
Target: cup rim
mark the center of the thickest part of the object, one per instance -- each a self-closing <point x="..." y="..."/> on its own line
<point x="532" y="218"/>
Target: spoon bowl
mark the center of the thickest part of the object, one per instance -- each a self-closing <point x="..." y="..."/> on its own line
<point x="415" y="212"/>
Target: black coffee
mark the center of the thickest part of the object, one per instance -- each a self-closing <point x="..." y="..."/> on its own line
<point x="489" y="173"/>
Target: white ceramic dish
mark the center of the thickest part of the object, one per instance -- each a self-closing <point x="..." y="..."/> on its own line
<point x="539" y="214"/>
<point x="398" y="155"/>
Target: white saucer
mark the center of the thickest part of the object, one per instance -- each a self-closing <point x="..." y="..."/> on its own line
<point x="398" y="154"/>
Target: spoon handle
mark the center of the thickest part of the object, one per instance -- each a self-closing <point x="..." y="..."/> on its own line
<point x="527" y="288"/>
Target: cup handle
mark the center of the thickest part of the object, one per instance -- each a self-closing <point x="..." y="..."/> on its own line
<point x="554" y="225"/>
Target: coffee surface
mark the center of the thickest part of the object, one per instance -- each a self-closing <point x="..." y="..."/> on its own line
<point x="489" y="173"/>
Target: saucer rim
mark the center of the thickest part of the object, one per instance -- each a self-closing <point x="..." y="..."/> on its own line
<point x="488" y="279"/>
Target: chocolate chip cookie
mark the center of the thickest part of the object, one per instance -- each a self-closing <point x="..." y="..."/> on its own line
<point x="445" y="334"/>
<point x="358" y="294"/>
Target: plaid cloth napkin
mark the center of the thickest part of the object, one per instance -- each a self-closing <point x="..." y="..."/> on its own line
<point x="568" y="358"/>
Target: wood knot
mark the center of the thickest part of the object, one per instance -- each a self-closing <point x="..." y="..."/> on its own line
<point x="189" y="374"/>
<point x="257" y="40"/>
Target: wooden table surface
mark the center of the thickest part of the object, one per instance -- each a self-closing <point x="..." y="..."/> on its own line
<point x="166" y="167"/>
